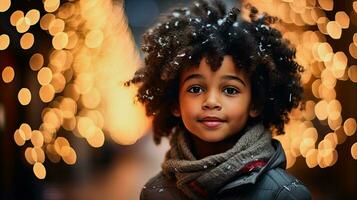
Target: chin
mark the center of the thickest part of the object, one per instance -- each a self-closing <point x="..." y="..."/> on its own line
<point x="212" y="139"/>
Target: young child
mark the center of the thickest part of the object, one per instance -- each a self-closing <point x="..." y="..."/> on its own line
<point x="216" y="84"/>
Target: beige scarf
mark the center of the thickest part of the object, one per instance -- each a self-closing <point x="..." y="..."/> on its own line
<point x="199" y="179"/>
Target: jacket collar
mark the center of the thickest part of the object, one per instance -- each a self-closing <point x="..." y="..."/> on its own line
<point x="278" y="160"/>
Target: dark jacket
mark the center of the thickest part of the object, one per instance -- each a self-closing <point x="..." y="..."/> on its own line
<point x="271" y="182"/>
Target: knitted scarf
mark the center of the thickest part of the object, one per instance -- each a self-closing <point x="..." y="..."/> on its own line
<point x="198" y="179"/>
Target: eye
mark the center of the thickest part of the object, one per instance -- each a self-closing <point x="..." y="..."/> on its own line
<point x="195" y="89"/>
<point x="231" y="90"/>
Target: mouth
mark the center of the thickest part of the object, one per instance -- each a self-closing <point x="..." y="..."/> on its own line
<point x="211" y="122"/>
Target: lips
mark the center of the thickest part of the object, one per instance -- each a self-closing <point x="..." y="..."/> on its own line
<point x="211" y="122"/>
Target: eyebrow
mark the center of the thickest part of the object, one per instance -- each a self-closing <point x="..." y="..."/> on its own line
<point x="225" y="77"/>
<point x="231" y="77"/>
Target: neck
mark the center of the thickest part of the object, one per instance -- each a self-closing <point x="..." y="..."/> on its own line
<point x="203" y="149"/>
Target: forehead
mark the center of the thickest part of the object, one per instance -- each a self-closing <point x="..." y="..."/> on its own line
<point x="228" y="67"/>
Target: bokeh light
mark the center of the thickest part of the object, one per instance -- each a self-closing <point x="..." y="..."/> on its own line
<point x="27" y="40"/>
<point x="4" y="41"/>
<point x="8" y="74"/>
<point x="24" y="96"/>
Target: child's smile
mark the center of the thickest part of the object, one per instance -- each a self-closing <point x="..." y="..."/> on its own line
<point x="214" y="105"/>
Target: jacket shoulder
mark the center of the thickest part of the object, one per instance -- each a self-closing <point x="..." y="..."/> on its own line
<point x="160" y="187"/>
<point x="284" y="185"/>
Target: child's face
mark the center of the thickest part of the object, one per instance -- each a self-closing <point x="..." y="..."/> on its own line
<point x="214" y="105"/>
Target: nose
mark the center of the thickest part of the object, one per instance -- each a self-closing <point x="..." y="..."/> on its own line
<point x="212" y="102"/>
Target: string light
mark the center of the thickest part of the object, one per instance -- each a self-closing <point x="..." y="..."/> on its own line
<point x="323" y="69"/>
<point x="8" y="74"/>
<point x="4" y="5"/>
<point x="4" y="41"/>
<point x="89" y="39"/>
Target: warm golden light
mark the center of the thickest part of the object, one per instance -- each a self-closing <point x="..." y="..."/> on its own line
<point x="72" y="39"/>
<point x="352" y="73"/>
<point x="97" y="140"/>
<point x="71" y="156"/>
<point x="46" y="20"/>
<point x="321" y="110"/>
<point x="91" y="99"/>
<point x="39" y="170"/>
<point x="59" y="143"/>
<point x="343" y="19"/>
<point x="4" y="41"/>
<point x="8" y="74"/>
<point x="354" y="151"/>
<point x="4" y="5"/>
<point x="44" y="76"/>
<point x="15" y="16"/>
<point x="58" y="82"/>
<point x="84" y="82"/>
<point x="37" y="138"/>
<point x="305" y="145"/>
<point x="60" y="40"/>
<point x="353" y="50"/>
<point x="326" y="4"/>
<point x="36" y="61"/>
<point x="38" y="154"/>
<point x="69" y="124"/>
<point x="47" y="93"/>
<point x="52" y="154"/>
<point x="56" y="26"/>
<point x="27" y="130"/>
<point x="322" y="23"/>
<point x="354" y="5"/>
<point x="51" y="5"/>
<point x="19" y="137"/>
<point x="94" y="38"/>
<point x="24" y="96"/>
<point x="311" y="158"/>
<point x="334" y="123"/>
<point x="23" y="25"/>
<point x="349" y="126"/>
<point x="334" y="29"/>
<point x="33" y="15"/>
<point x="27" y="40"/>
<point x="28" y="155"/>
<point x="325" y="51"/>
<point x="311" y="133"/>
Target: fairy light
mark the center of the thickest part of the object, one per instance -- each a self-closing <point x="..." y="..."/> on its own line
<point x="23" y="24"/>
<point x="33" y="15"/>
<point x="39" y="170"/>
<point x="56" y="26"/>
<point x="89" y="39"/>
<point x="8" y="74"/>
<point x="352" y="73"/>
<point x="4" y="5"/>
<point x="354" y="151"/>
<point x="51" y="5"/>
<point x="60" y="40"/>
<point x="94" y="39"/>
<point x="24" y="96"/>
<point x="4" y="41"/>
<point x="324" y="68"/>
<point x="44" y="76"/>
<point x="47" y="93"/>
<point x="349" y="126"/>
<point x="342" y="19"/>
<point x="36" y="61"/>
<point x="46" y="20"/>
<point x="27" y="40"/>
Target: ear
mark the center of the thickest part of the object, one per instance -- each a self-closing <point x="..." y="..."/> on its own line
<point x="253" y="111"/>
<point x="175" y="110"/>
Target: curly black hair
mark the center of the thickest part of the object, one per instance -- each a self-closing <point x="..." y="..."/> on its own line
<point x="186" y="35"/>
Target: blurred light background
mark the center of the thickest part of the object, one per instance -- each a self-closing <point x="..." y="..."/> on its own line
<point x="70" y="130"/>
